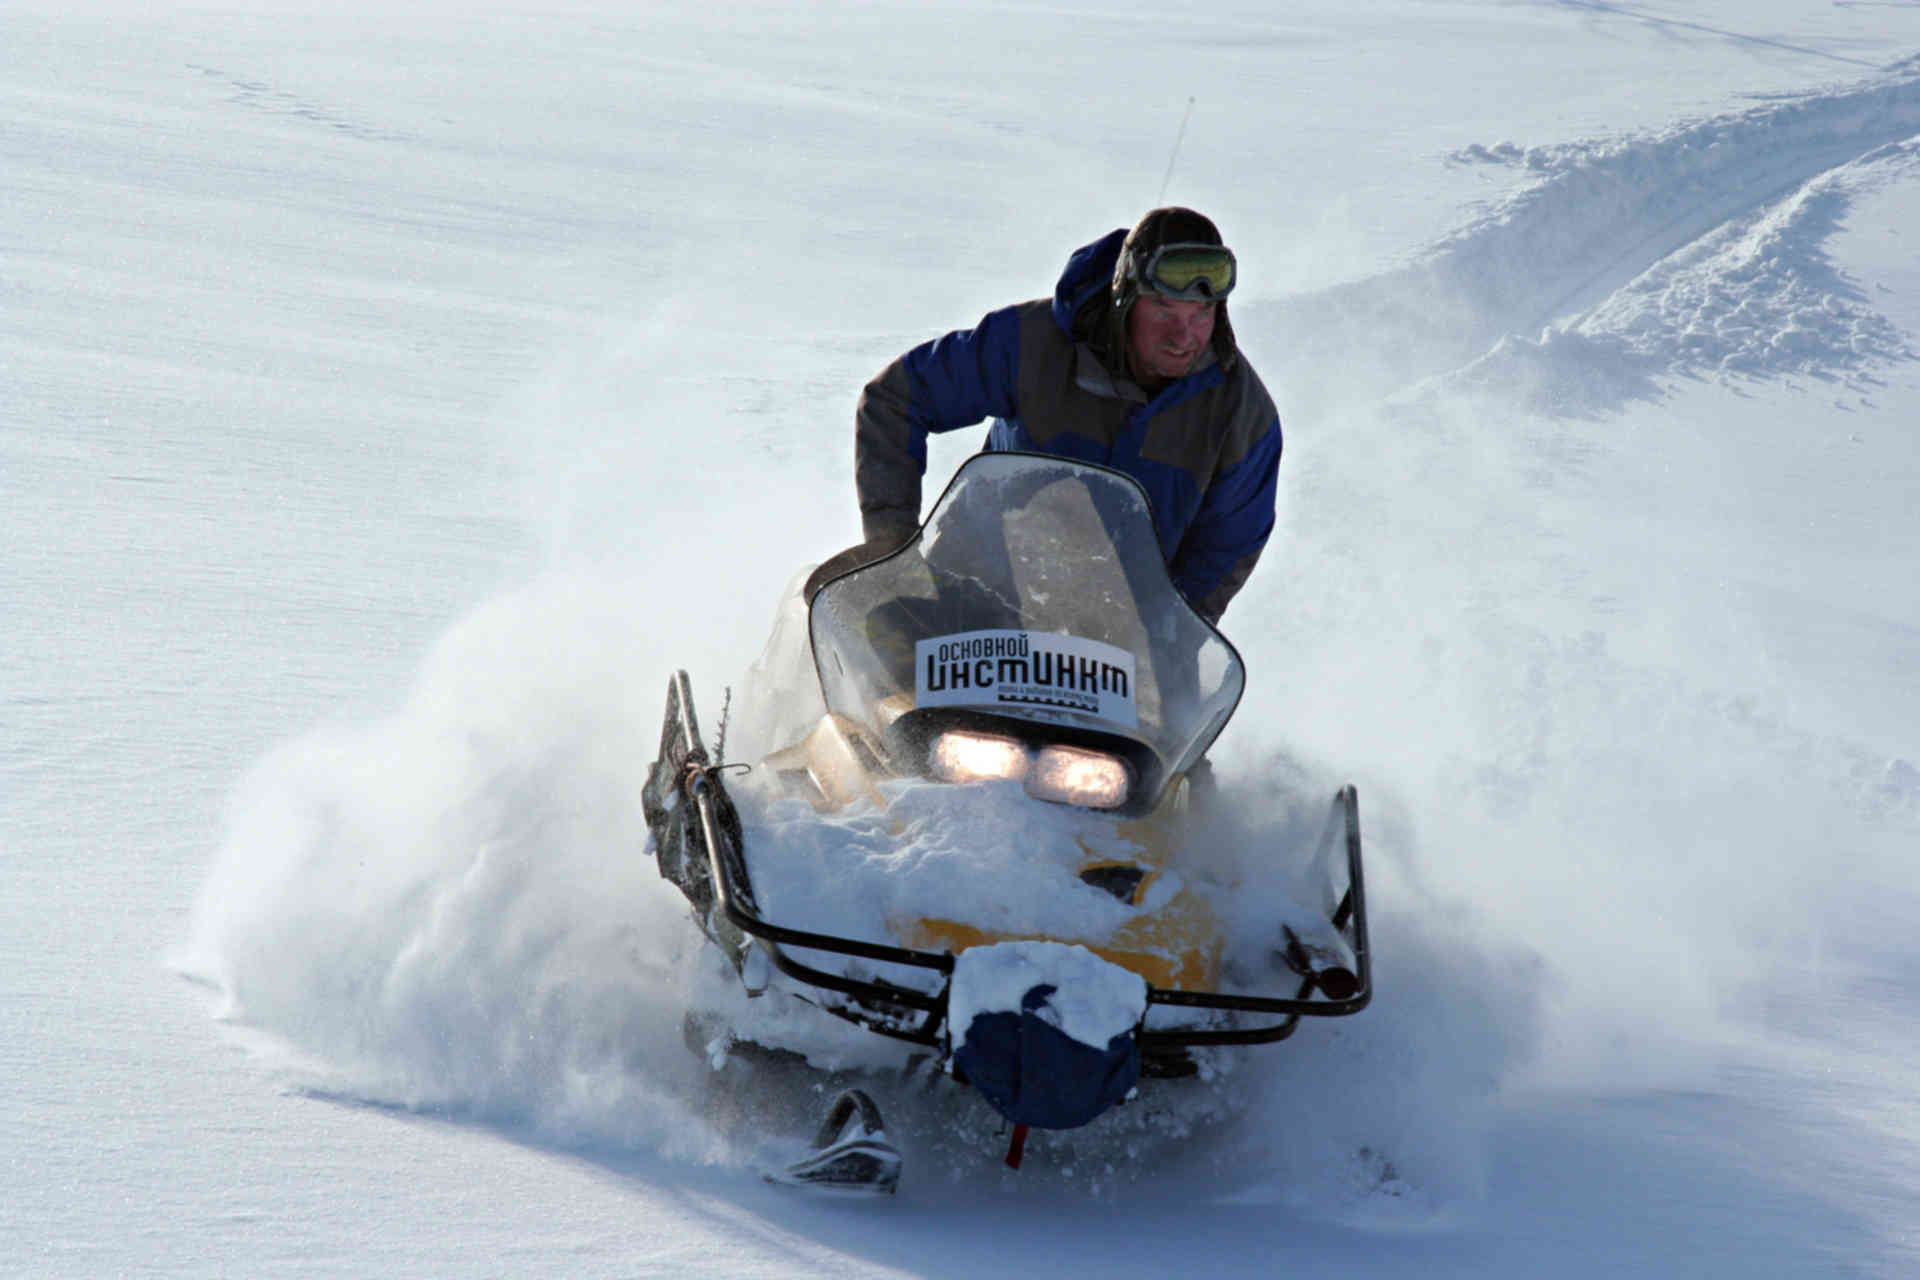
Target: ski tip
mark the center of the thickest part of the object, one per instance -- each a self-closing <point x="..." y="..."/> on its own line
<point x="862" y="1166"/>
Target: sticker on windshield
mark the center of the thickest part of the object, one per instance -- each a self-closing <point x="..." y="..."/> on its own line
<point x="1016" y="669"/>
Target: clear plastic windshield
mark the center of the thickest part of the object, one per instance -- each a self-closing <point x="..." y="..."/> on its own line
<point x="1035" y="592"/>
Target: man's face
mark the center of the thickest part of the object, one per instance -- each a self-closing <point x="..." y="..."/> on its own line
<point x="1165" y="336"/>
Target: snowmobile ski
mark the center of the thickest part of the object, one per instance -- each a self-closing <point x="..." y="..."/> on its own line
<point x="850" y="1154"/>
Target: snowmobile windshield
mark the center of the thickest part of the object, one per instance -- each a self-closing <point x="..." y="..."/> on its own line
<point x="1034" y="598"/>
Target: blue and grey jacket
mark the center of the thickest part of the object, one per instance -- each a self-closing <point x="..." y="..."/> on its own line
<point x="1053" y="375"/>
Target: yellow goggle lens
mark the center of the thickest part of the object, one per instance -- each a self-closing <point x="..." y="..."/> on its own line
<point x="1198" y="272"/>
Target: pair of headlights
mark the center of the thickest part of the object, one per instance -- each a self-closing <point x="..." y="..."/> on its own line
<point x="1062" y="774"/>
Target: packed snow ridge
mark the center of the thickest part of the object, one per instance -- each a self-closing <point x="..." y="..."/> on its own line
<point x="1696" y="250"/>
<point x="1701" y="247"/>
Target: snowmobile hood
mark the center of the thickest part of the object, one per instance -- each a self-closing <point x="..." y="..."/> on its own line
<point x="1086" y="311"/>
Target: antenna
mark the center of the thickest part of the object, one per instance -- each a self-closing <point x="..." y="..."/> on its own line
<point x="1178" y="138"/>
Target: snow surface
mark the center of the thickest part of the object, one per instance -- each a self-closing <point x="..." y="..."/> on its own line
<point x="389" y="401"/>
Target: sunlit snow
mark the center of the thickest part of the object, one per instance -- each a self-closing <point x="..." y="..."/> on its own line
<point x="389" y="402"/>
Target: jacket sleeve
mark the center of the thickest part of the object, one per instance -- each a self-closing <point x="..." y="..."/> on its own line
<point x="1231" y="528"/>
<point x="952" y="382"/>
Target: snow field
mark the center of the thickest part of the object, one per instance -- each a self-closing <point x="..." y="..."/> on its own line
<point x="418" y="377"/>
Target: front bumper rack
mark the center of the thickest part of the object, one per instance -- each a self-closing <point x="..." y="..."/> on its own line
<point x="698" y="841"/>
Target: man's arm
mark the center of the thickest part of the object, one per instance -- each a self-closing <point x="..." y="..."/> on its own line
<point x="1231" y="528"/>
<point x="953" y="381"/>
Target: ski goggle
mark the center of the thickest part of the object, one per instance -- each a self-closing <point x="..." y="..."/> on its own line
<point x="1190" y="272"/>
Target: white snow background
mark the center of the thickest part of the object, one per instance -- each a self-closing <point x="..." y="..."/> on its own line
<point x="389" y="402"/>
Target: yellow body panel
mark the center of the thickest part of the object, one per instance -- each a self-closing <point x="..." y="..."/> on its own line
<point x="1174" y="948"/>
<point x="831" y="765"/>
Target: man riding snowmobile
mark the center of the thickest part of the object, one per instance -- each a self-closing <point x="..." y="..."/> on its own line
<point x="1018" y="695"/>
<point x="1132" y="364"/>
<point x="1028" y="678"/>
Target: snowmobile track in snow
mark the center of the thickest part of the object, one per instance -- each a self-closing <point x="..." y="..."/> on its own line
<point x="1630" y="245"/>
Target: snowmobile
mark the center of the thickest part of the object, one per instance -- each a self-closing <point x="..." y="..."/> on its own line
<point x="1025" y="653"/>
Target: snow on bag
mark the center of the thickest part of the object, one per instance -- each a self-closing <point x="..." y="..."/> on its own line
<point x="1049" y="1028"/>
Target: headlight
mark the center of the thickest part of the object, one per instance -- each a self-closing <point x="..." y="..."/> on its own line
<point x="975" y="757"/>
<point x="1074" y="775"/>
